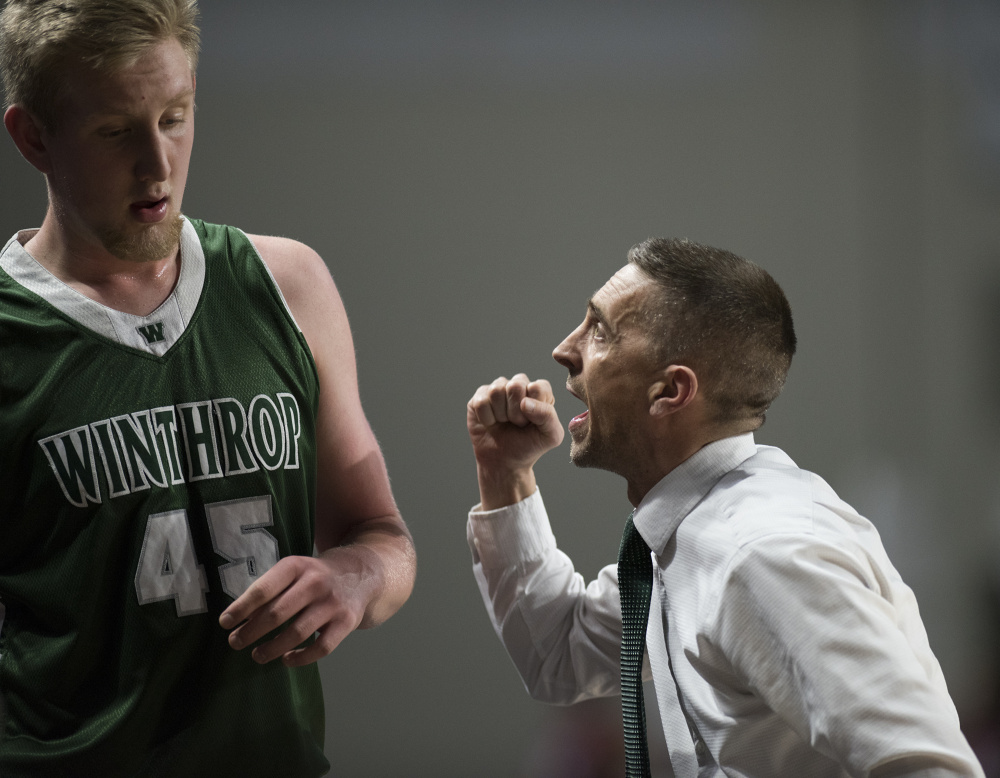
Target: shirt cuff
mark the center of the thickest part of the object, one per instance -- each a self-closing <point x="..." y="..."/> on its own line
<point x="511" y="535"/>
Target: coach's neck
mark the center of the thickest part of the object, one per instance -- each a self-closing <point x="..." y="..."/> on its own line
<point x="680" y="422"/>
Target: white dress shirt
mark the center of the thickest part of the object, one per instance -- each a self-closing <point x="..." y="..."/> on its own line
<point x="795" y="646"/>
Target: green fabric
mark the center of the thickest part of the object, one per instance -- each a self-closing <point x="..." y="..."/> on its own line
<point x="107" y="450"/>
<point x="635" y="585"/>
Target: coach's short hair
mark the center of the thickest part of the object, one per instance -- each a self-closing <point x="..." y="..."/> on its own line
<point x="725" y="318"/>
<point x="41" y="39"/>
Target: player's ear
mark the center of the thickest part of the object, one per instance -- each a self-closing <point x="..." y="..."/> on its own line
<point x="26" y="132"/>
<point x="676" y="387"/>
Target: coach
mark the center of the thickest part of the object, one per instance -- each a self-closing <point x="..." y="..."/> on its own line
<point x="780" y="639"/>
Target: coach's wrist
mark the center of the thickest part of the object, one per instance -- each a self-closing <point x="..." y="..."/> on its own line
<point x="499" y="488"/>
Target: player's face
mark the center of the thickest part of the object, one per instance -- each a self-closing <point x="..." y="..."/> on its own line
<point x="610" y="368"/>
<point x="119" y="155"/>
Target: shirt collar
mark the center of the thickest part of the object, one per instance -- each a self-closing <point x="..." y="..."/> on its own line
<point x="674" y="496"/>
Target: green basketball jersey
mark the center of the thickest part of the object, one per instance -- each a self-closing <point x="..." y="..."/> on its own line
<point x="151" y="468"/>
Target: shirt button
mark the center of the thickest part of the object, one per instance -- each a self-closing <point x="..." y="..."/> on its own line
<point x="700" y="750"/>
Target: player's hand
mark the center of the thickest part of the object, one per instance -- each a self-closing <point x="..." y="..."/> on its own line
<point x="325" y="595"/>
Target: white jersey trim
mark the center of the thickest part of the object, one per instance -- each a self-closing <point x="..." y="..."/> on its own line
<point x="274" y="281"/>
<point x="154" y="334"/>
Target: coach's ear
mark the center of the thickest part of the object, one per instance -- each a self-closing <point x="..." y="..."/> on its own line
<point x="26" y="132"/>
<point x="676" y="389"/>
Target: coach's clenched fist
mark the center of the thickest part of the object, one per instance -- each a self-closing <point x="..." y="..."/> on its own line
<point x="512" y="422"/>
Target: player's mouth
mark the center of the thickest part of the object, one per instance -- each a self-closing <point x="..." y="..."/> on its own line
<point x="150" y="211"/>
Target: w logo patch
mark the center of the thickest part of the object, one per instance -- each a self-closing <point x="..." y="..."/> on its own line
<point x="153" y="333"/>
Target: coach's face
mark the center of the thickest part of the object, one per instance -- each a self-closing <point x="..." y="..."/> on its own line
<point x="611" y="367"/>
<point x="118" y="158"/>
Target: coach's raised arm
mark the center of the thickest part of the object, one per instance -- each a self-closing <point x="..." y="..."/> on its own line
<point x="512" y="423"/>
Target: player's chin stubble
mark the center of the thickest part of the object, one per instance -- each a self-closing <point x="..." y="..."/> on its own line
<point x="155" y="242"/>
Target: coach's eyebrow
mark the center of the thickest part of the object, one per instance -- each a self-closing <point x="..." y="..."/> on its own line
<point x="597" y="313"/>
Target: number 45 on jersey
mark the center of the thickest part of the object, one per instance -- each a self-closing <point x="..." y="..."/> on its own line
<point x="169" y="569"/>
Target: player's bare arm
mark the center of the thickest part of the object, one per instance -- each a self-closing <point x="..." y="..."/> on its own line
<point x="512" y="423"/>
<point x="366" y="563"/>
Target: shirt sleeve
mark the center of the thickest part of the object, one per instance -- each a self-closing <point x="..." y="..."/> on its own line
<point x="828" y="642"/>
<point x="563" y="636"/>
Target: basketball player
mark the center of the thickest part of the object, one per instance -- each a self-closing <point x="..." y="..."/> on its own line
<point x="180" y="424"/>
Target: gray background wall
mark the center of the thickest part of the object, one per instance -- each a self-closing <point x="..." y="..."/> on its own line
<point x="473" y="170"/>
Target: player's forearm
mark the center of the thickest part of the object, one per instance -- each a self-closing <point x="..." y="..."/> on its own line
<point x="380" y="551"/>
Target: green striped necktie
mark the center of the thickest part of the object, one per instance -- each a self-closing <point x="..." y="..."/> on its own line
<point x="635" y="584"/>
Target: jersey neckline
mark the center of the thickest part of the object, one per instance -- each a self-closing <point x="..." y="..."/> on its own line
<point x="154" y="334"/>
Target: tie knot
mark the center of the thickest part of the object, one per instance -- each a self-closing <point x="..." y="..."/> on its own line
<point x="633" y="551"/>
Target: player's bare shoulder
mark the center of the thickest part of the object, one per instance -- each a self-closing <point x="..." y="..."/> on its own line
<point x="300" y="272"/>
<point x="312" y="296"/>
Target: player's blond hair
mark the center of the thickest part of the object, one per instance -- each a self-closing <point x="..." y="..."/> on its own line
<point x="41" y="39"/>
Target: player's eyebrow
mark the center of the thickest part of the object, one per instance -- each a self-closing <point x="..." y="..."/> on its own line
<point x="182" y="96"/>
<point x="102" y="113"/>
